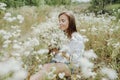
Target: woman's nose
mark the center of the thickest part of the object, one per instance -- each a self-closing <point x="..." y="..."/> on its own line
<point x="60" y="23"/>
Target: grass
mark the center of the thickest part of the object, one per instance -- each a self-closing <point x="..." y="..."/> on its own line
<point x="112" y="6"/>
<point x="101" y="40"/>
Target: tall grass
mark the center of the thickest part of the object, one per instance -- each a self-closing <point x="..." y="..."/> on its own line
<point x="28" y="42"/>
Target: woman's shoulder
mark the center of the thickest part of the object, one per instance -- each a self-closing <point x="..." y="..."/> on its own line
<point x="77" y="37"/>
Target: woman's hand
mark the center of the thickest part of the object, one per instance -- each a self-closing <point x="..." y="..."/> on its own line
<point x="54" y="51"/>
<point x="64" y="54"/>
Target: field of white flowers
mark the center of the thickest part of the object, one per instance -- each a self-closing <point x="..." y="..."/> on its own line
<point x="27" y="34"/>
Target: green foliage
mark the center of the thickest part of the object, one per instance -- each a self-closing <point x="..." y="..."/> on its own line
<point x="115" y="1"/>
<point x="18" y="3"/>
<point x="1" y="41"/>
<point x="13" y="3"/>
<point x="58" y="2"/>
<point x="111" y="7"/>
<point x="114" y="10"/>
<point x="105" y="6"/>
<point x="98" y="5"/>
<point x="34" y="2"/>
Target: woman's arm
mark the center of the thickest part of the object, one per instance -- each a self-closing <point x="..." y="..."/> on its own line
<point x="55" y="51"/>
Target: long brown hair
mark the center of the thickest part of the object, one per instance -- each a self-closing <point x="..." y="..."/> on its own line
<point x="72" y="24"/>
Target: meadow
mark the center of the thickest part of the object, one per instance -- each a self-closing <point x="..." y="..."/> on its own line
<point x="27" y="33"/>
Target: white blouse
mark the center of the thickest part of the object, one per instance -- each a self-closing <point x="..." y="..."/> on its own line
<point x="74" y="48"/>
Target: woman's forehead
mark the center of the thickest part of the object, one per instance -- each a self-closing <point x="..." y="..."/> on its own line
<point x="63" y="16"/>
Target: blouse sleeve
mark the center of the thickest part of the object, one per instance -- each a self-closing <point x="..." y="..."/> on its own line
<point x="76" y="47"/>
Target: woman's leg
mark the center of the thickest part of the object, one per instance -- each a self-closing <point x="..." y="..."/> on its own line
<point x="60" y="67"/>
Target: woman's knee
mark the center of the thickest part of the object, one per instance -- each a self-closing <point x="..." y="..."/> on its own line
<point x="47" y="66"/>
<point x="63" y="68"/>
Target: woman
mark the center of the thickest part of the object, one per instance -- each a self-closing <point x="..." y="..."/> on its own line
<point x="75" y="47"/>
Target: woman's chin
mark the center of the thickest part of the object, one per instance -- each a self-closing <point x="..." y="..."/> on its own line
<point x="61" y="29"/>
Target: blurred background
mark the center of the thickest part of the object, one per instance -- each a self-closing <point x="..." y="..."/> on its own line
<point x="28" y="27"/>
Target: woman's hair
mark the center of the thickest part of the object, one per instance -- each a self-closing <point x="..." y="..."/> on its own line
<point x="72" y="24"/>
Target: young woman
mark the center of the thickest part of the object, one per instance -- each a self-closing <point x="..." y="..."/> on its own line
<point x="75" y="47"/>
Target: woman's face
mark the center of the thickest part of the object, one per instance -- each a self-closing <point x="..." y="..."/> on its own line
<point x="63" y="22"/>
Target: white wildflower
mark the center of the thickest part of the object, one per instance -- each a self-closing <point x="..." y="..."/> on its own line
<point x="42" y="51"/>
<point x="18" y="30"/>
<point x="31" y="42"/>
<point x="118" y="10"/>
<point x="37" y="57"/>
<point x="16" y="46"/>
<point x="110" y="73"/>
<point x="116" y="45"/>
<point x="61" y="75"/>
<point x="26" y="53"/>
<point x="90" y="54"/>
<point x="20" y="18"/>
<point x="104" y="79"/>
<point x="53" y="69"/>
<point x="14" y="18"/>
<point x="51" y="75"/>
<point x="15" y="34"/>
<point x="10" y="65"/>
<point x="35" y="31"/>
<point x="5" y="45"/>
<point x="53" y="41"/>
<point x="14" y="27"/>
<point x="40" y="66"/>
<point x="7" y="41"/>
<point x="85" y="63"/>
<point x="2" y="32"/>
<point x="83" y="30"/>
<point x="7" y="15"/>
<point x="9" y="19"/>
<point x="27" y="43"/>
<point x="7" y="35"/>
<point x="88" y="73"/>
<point x="85" y="39"/>
<point x="2" y="6"/>
<point x="19" y="75"/>
<point x="78" y="76"/>
<point x="35" y="41"/>
<point x="93" y="29"/>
